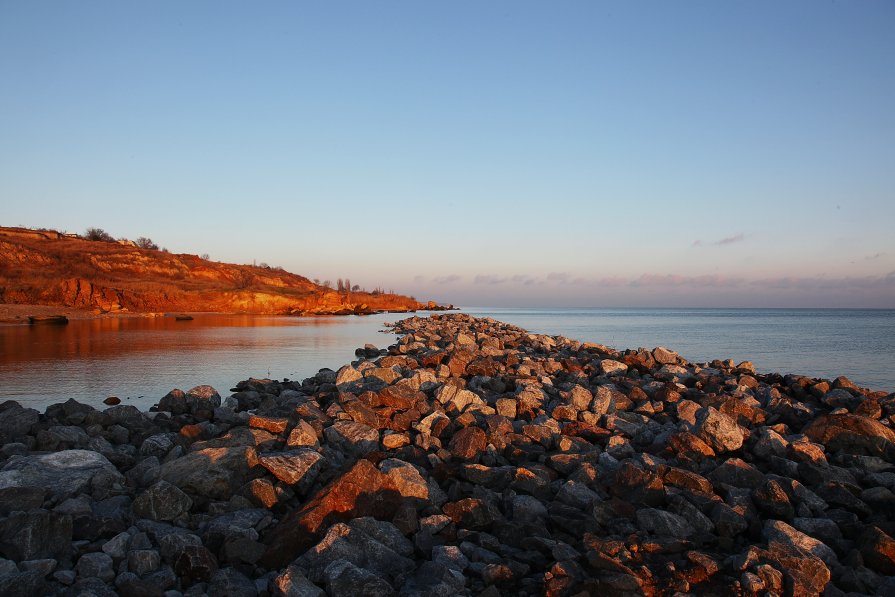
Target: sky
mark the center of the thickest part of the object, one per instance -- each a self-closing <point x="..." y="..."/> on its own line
<point x="500" y="154"/>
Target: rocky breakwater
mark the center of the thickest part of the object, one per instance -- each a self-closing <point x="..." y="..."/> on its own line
<point x="469" y="458"/>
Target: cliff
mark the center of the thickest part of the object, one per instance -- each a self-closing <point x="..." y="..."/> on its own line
<point x="49" y="268"/>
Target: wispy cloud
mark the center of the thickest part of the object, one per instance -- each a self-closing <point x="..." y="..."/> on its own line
<point x="825" y="283"/>
<point x="676" y="280"/>
<point x="450" y="279"/>
<point x="727" y="240"/>
<point x="874" y="257"/>
<point x="490" y="279"/>
<point x="523" y="279"/>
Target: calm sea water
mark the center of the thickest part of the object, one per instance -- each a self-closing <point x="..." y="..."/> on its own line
<point x="857" y="343"/>
<point x="141" y="359"/>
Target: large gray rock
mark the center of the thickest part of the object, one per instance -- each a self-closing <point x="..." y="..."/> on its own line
<point x="371" y="545"/>
<point x="211" y="473"/>
<point x="63" y="474"/>
<point x="96" y="565"/>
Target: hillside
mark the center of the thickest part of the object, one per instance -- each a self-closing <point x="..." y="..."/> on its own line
<point x="49" y="268"/>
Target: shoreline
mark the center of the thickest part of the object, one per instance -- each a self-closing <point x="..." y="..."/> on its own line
<point x="13" y="313"/>
<point x="470" y="456"/>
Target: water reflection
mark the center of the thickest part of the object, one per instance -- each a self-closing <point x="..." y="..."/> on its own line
<point x="140" y="359"/>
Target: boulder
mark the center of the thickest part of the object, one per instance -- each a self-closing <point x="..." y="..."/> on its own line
<point x="162" y="501"/>
<point x="852" y="434"/>
<point x="211" y="473"/>
<point x="62" y="474"/>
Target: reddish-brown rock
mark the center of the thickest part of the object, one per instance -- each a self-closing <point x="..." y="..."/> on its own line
<point x="468" y="443"/>
<point x="362" y="491"/>
<point x="853" y="434"/>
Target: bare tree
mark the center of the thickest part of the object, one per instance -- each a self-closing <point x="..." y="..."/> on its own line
<point x="146" y="243"/>
<point x="327" y="284"/>
<point x="340" y="285"/>
<point x="99" y="234"/>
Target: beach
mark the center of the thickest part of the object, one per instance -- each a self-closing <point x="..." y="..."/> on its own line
<point x="469" y="457"/>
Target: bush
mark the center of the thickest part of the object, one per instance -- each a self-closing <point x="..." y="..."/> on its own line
<point x="99" y="234"/>
<point x="146" y="243"/>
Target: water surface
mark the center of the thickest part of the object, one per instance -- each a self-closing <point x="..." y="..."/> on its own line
<point x="140" y="359"/>
<point x="857" y="343"/>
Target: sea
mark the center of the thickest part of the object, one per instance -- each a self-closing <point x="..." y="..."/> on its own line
<point x="140" y="359"/>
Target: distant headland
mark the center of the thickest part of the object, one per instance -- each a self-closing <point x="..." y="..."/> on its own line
<point x="95" y="274"/>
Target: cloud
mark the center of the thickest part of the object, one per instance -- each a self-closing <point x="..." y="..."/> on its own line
<point x="824" y="283"/>
<point x="874" y="257"/>
<point x="727" y="240"/>
<point x="523" y="279"/>
<point x="450" y="279"/>
<point x="490" y="279"/>
<point x="613" y="282"/>
<point x="419" y="279"/>
<point x="558" y="277"/>
<point x="676" y="280"/>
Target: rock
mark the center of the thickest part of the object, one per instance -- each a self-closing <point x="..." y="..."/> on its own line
<point x="143" y="561"/>
<point x="36" y="534"/>
<point x="718" y="430"/>
<point x="211" y="473"/>
<point x="195" y="563"/>
<point x="63" y="473"/>
<point x="352" y="437"/>
<point x="95" y="565"/>
<point x="660" y="522"/>
<point x="468" y="444"/>
<point x="296" y="467"/>
<point x="361" y="491"/>
<point x="344" y="579"/>
<point x="878" y="550"/>
<point x="302" y="435"/>
<point x="162" y="501"/>
<point x="293" y="583"/>
<point x="16" y="421"/>
<point x="229" y="582"/>
<point x="853" y="434"/>
<point x="371" y="545"/>
<point x="779" y="531"/>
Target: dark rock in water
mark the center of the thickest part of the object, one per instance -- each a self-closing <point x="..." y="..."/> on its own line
<point x="112" y="400"/>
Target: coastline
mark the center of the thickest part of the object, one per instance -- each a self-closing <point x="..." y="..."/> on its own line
<point x="12" y="313"/>
<point x="469" y="457"/>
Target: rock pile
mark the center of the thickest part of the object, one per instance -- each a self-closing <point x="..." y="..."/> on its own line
<point x="469" y="458"/>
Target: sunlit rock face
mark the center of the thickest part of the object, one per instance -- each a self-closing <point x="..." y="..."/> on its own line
<point x="46" y="268"/>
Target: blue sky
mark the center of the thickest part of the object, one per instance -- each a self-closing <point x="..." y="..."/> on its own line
<point x="499" y="153"/>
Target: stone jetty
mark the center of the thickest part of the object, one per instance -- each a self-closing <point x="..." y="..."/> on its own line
<point x="469" y="458"/>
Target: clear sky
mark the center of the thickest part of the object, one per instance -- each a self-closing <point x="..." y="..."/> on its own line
<point x="482" y="153"/>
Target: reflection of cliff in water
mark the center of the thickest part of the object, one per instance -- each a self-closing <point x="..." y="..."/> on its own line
<point x="141" y="356"/>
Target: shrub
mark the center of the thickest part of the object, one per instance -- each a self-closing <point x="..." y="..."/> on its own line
<point x="146" y="243"/>
<point x="99" y="234"/>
